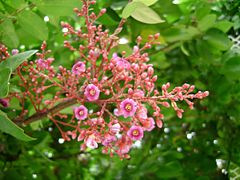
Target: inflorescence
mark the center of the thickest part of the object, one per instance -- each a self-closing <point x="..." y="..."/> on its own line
<point x="121" y="88"/>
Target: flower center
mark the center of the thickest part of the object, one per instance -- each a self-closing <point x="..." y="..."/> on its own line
<point x="92" y="92"/>
<point x="147" y="124"/>
<point x="79" y="67"/>
<point x="135" y="132"/>
<point x="81" y="112"/>
<point x="128" y="107"/>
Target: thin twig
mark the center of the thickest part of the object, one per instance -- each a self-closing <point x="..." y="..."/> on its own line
<point x="40" y="115"/>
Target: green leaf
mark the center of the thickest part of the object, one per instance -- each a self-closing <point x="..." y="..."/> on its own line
<point x="26" y="38"/>
<point x="129" y="9"/>
<point x="180" y="33"/>
<point x="36" y="125"/>
<point x="58" y="7"/>
<point x="218" y="39"/>
<point x="231" y="68"/>
<point x="236" y="21"/>
<point x="8" y="34"/>
<point x="145" y="14"/>
<point x="224" y="26"/>
<point x="184" y="50"/>
<point x="14" y="61"/>
<point x="9" y="65"/>
<point x="203" y="9"/>
<point x="4" y="79"/>
<point x="7" y="126"/>
<point x="170" y="11"/>
<point x="207" y="22"/>
<point x="146" y="2"/>
<point x="33" y="24"/>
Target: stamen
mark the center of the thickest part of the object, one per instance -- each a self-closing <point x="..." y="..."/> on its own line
<point x="92" y="92"/>
<point x="135" y="133"/>
<point x="128" y="107"/>
<point x="81" y="112"/>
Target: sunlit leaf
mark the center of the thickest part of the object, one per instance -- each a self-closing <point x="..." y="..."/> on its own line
<point x="147" y="2"/>
<point x="146" y="15"/>
<point x="224" y="26"/>
<point x="141" y="12"/>
<point x="207" y="22"/>
<point x="129" y="9"/>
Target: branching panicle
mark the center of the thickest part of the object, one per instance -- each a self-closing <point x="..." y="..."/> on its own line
<point x="119" y="86"/>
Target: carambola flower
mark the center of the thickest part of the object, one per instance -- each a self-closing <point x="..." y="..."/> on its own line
<point x="148" y="124"/>
<point x="92" y="92"/>
<point x="81" y="112"/>
<point x="91" y="142"/>
<point x="135" y="133"/>
<point x="128" y="107"/>
<point x="108" y="139"/>
<point x="121" y="63"/>
<point x="115" y="128"/>
<point x="78" y="68"/>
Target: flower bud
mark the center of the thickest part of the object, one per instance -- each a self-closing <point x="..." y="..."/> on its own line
<point x="103" y="11"/>
<point x="15" y="51"/>
<point x="150" y="71"/>
<point x="154" y="79"/>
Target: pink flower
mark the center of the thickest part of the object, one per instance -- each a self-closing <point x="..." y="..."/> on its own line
<point x="91" y="142"/>
<point x="138" y="93"/>
<point x="124" y="145"/>
<point x="108" y="139"/>
<point x="124" y="149"/>
<point x="142" y="112"/>
<point x="135" y="133"/>
<point x="92" y="92"/>
<point x="15" y="51"/>
<point x="81" y="135"/>
<point x="148" y="124"/>
<point x="159" y="123"/>
<point x="128" y="107"/>
<point x="81" y="112"/>
<point x="41" y="63"/>
<point x="121" y="63"/>
<point x="73" y="134"/>
<point x="117" y="112"/>
<point x="115" y="128"/>
<point x="78" y="68"/>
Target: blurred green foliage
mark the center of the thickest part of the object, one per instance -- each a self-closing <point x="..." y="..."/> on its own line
<point x="200" y="45"/>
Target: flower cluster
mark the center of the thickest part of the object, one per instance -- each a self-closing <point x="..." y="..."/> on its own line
<point x="111" y="94"/>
